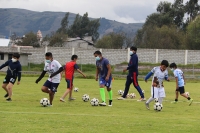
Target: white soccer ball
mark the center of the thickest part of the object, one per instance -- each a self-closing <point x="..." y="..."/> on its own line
<point x="158" y="106"/>
<point x="85" y="98"/>
<point x="75" y="89"/>
<point x="143" y="91"/>
<point x="156" y="100"/>
<point x="132" y="95"/>
<point x="94" y="102"/>
<point x="120" y="92"/>
<point x="187" y="93"/>
<point x="44" y="102"/>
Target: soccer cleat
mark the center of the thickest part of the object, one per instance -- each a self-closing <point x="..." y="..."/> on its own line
<point x="120" y="98"/>
<point x="191" y="100"/>
<point x="174" y="102"/>
<point x="147" y="105"/>
<point x="8" y="99"/>
<point x="141" y="99"/>
<point x="102" y="104"/>
<point x="62" y="100"/>
<point x="110" y="103"/>
<point x="6" y="95"/>
<point x="71" y="98"/>
<point x="50" y="105"/>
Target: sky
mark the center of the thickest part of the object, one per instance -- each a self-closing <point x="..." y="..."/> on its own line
<point x="125" y="11"/>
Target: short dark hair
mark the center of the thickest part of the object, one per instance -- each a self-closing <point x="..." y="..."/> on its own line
<point x="133" y="48"/>
<point x="172" y="65"/>
<point x="16" y="55"/>
<point x="49" y="54"/>
<point x="165" y="63"/>
<point x="97" y="52"/>
<point x="74" y="57"/>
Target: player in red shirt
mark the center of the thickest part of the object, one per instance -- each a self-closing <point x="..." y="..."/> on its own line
<point x="69" y="69"/>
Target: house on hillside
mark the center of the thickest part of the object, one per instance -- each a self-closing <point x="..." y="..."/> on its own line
<point x="86" y="43"/>
<point x="4" y="42"/>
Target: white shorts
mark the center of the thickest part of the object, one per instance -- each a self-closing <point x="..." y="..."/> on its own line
<point x="157" y="92"/>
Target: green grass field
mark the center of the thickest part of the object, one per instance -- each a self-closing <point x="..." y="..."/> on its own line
<point x="25" y="115"/>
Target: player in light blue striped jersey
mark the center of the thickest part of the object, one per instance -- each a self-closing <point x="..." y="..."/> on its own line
<point x="180" y="83"/>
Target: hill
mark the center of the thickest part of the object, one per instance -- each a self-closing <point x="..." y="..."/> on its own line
<point x="22" y="21"/>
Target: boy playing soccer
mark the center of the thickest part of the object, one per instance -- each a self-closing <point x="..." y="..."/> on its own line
<point x="180" y="83"/>
<point x="14" y="71"/>
<point x="69" y="69"/>
<point x="103" y="73"/>
<point x="159" y="73"/>
<point x="51" y="85"/>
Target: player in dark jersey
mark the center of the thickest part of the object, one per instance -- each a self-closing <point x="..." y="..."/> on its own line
<point x="14" y="71"/>
<point x="132" y="76"/>
<point x="69" y="69"/>
<point x="103" y="73"/>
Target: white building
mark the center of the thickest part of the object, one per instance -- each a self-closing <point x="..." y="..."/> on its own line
<point x="4" y="42"/>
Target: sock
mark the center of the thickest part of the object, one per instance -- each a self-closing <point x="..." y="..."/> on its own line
<point x="102" y="93"/>
<point x="176" y="100"/>
<point x="188" y="98"/>
<point x="160" y="99"/>
<point x="110" y="94"/>
<point x="150" y="100"/>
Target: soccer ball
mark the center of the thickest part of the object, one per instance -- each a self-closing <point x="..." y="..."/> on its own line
<point x="156" y="100"/>
<point x="187" y="93"/>
<point x="132" y="95"/>
<point x="143" y="91"/>
<point x="85" y="98"/>
<point x="75" y="89"/>
<point x="128" y="95"/>
<point x="94" y="102"/>
<point x="120" y="92"/>
<point x="44" y="102"/>
<point x="158" y="106"/>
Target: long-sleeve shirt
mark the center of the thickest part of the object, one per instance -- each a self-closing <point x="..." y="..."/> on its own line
<point x="14" y="69"/>
<point x="133" y="64"/>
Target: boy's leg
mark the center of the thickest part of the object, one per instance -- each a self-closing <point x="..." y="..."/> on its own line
<point x="182" y="92"/>
<point x="136" y="85"/>
<point x="154" y="94"/>
<point x="52" y="91"/>
<point x="110" y="93"/>
<point x="127" y="86"/>
<point x="9" y="88"/>
<point x="161" y="94"/>
<point x="68" y="90"/>
<point x="4" y="85"/>
<point x="51" y="96"/>
<point x="47" y="85"/>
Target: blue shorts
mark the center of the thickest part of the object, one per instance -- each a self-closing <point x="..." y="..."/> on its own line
<point x="69" y="83"/>
<point x="52" y="86"/>
<point x="108" y="83"/>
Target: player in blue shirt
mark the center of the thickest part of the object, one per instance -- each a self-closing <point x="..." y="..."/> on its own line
<point x="180" y="83"/>
<point x="103" y="73"/>
<point x="132" y="75"/>
<point x="14" y="71"/>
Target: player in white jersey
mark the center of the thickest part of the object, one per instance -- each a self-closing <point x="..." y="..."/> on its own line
<point x="159" y="73"/>
<point x="180" y="83"/>
<point x="51" y="85"/>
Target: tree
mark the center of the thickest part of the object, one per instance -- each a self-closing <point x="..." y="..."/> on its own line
<point x="192" y="8"/>
<point x="56" y="39"/>
<point x="111" y="41"/>
<point x="64" y="24"/>
<point x="93" y="29"/>
<point x="30" y="39"/>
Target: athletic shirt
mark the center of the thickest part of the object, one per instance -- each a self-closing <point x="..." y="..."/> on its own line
<point x="179" y="74"/>
<point x="70" y="67"/>
<point x="161" y="75"/>
<point x="51" y="68"/>
<point x="102" y="67"/>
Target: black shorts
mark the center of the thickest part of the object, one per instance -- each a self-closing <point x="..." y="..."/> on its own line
<point x="52" y="86"/>
<point x="181" y="89"/>
<point x="69" y="83"/>
<point x="9" y="79"/>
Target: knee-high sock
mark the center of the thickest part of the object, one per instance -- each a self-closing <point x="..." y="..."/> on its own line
<point x="102" y="93"/>
<point x="160" y="100"/>
<point x="150" y="100"/>
<point x="110" y="94"/>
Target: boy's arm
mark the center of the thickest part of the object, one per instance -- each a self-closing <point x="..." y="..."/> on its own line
<point x="19" y="74"/>
<point x="60" y="70"/>
<point x="133" y="60"/>
<point x="4" y="65"/>
<point x="176" y="82"/>
<point x="97" y="74"/>
<point x="41" y="76"/>
<point x="148" y="76"/>
<point x="109" y="72"/>
<point x="184" y="79"/>
<point x="81" y="72"/>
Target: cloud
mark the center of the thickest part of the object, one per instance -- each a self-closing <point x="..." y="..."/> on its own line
<point x="126" y="11"/>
